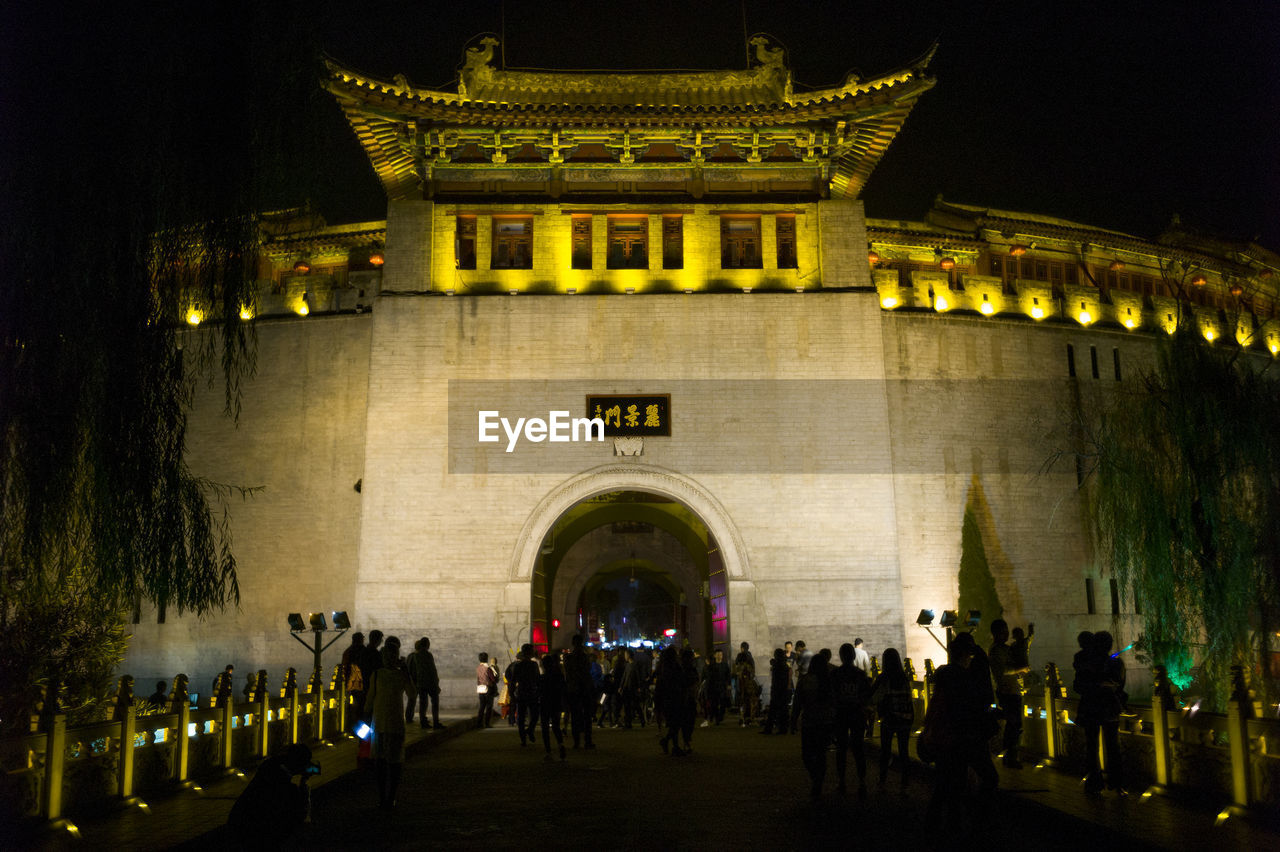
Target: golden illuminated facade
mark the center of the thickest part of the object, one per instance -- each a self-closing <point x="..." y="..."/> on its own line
<point x="840" y="393"/>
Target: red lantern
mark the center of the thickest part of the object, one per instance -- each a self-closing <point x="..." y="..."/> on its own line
<point x="1017" y="250"/>
<point x="302" y="267"/>
<point x="948" y="263"/>
<point x="873" y="258"/>
<point x="1198" y="280"/>
<point x="376" y="259"/>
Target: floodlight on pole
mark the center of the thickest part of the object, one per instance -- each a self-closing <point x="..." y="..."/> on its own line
<point x="925" y="619"/>
<point x="317" y="626"/>
<point x="974" y="618"/>
<point x="949" y="618"/>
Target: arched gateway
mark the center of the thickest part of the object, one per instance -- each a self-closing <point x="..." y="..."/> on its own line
<point x="711" y="571"/>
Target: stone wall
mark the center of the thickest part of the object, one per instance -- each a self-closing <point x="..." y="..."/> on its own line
<point x="300" y="439"/>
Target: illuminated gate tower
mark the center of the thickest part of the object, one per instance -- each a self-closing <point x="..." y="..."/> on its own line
<point x="558" y="236"/>
<point x="814" y="420"/>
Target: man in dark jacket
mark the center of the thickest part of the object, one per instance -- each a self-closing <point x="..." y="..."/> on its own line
<point x="852" y="688"/>
<point x="717" y="680"/>
<point x="579" y="691"/>
<point x="426" y="681"/>
<point x="526" y="686"/>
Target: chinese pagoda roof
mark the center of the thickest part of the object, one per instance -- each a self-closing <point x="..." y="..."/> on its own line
<point x="843" y="130"/>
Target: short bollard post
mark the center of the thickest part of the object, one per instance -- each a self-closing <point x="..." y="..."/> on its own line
<point x="1052" y="690"/>
<point x="291" y="696"/>
<point x="318" y="697"/>
<point x="55" y="752"/>
<point x="1239" y="711"/>
<point x="1161" y="704"/>
<point x="263" y="738"/>
<point x="228" y="729"/>
<point x="182" y="746"/>
<point x="342" y="702"/>
<point x="926" y="694"/>
<point x="124" y="766"/>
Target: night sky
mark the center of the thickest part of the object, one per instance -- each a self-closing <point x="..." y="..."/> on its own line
<point x="1115" y="114"/>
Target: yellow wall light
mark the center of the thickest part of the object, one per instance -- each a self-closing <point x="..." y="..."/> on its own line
<point x="1274" y="347"/>
<point x="986" y="309"/>
<point x="1037" y="312"/>
<point x="302" y="309"/>
<point x="940" y="304"/>
<point x="1084" y="317"/>
<point x="246" y="312"/>
<point x="889" y="302"/>
<point x="194" y="317"/>
<point x="1210" y="335"/>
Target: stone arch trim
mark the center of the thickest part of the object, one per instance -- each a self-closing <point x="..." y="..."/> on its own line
<point x="629" y="477"/>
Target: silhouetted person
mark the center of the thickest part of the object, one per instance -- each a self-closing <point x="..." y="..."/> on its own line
<point x="852" y="689"/>
<point x="779" y="693"/>
<point x="668" y="697"/>
<point x="272" y="808"/>
<point x="426" y="682"/>
<point x="526" y="685"/>
<point x="385" y="702"/>
<point x="1100" y="680"/>
<point x="744" y="671"/>
<point x="1008" y="683"/>
<point x="961" y="705"/>
<point x="579" y="691"/>
<point x="223" y="688"/>
<point x="689" y="704"/>
<point x="717" y="680"/>
<point x="353" y="675"/>
<point x="551" y="703"/>
<point x="157" y="699"/>
<point x="815" y="710"/>
<point x="891" y="696"/>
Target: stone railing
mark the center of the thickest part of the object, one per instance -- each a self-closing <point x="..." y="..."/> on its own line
<point x="1231" y="758"/>
<point x="88" y="767"/>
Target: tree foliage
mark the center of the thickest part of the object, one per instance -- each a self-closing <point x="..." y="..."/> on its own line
<point x="1187" y="507"/>
<point x="150" y="143"/>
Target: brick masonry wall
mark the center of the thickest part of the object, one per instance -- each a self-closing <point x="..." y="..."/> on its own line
<point x="300" y="439"/>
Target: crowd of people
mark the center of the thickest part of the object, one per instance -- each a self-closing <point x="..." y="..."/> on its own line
<point x="833" y="703"/>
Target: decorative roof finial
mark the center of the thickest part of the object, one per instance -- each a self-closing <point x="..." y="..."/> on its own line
<point x="476" y="71"/>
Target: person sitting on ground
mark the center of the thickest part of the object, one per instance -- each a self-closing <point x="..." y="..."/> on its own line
<point x="269" y="812"/>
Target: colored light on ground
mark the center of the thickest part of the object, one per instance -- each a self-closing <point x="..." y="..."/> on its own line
<point x="986" y="308"/>
<point x="889" y="303"/>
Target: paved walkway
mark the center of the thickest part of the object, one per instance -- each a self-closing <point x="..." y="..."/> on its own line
<point x="468" y="789"/>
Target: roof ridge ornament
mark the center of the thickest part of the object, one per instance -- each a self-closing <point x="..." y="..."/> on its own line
<point x="773" y="66"/>
<point x="476" y="72"/>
